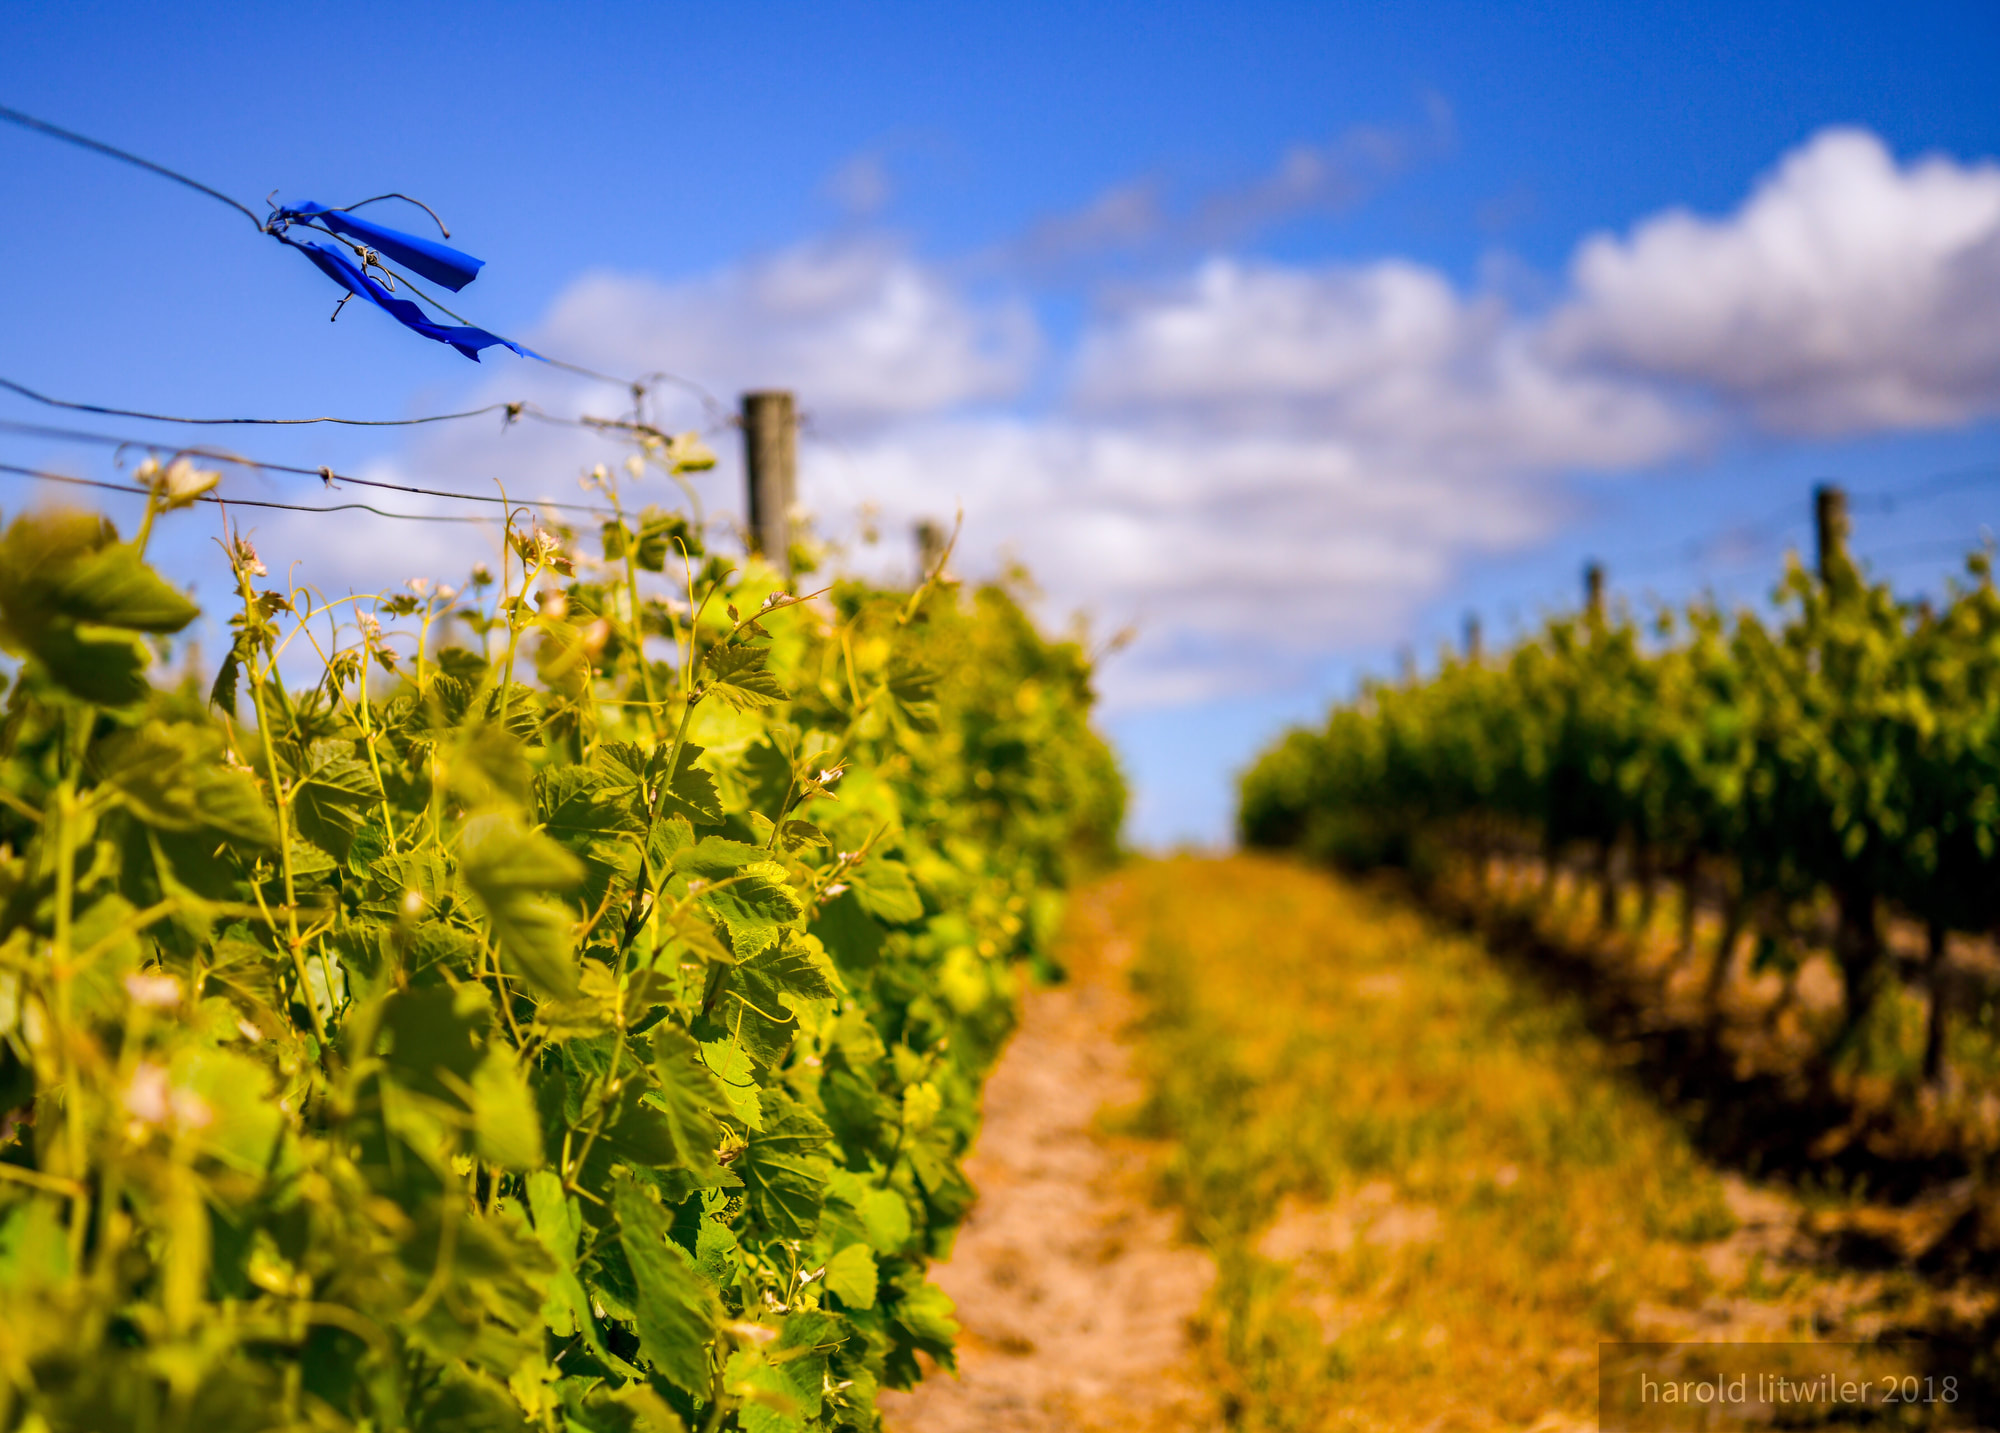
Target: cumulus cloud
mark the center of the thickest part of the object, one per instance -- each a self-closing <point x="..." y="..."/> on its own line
<point x="1388" y="356"/>
<point x="865" y="333"/>
<point x="1238" y="555"/>
<point x="1258" y="462"/>
<point x="1847" y="294"/>
<point x="860" y="326"/>
<point x="1251" y="464"/>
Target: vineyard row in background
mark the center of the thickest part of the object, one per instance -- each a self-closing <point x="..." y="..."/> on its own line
<point x="1823" y="780"/>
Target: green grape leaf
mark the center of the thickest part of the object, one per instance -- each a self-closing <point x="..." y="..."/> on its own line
<point x="784" y="1173"/>
<point x="242" y="1125"/>
<point x="173" y="778"/>
<point x="113" y="587"/>
<point x="766" y="774"/>
<point x="510" y="872"/>
<point x="744" y="889"/>
<point x="796" y="835"/>
<point x="770" y="1403"/>
<point x="670" y="836"/>
<point x="487" y="763"/>
<point x="692" y="791"/>
<point x="736" y="1074"/>
<point x="507" y="1131"/>
<point x="849" y="933"/>
<point x="229" y="677"/>
<point x="431" y="1040"/>
<point x="553" y="1213"/>
<point x="676" y="1310"/>
<point x="797" y="966"/>
<point x="597" y="819"/>
<point x="335" y="796"/>
<point x="73" y="597"/>
<point x="686" y="1099"/>
<point x="923" y="1316"/>
<point x="662" y="537"/>
<point x="884" y="890"/>
<point x="851" y="1276"/>
<point x="643" y="1406"/>
<point x="738" y="679"/>
<point x="98" y="664"/>
<point x="752" y="1001"/>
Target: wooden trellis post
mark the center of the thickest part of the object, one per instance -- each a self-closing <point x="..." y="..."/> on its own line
<point x="770" y="470"/>
<point x="1830" y="528"/>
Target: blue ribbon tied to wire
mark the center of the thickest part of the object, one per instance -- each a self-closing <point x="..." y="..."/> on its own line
<point x="352" y="264"/>
<point x="355" y="258"/>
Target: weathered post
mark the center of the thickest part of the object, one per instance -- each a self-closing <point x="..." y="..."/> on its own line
<point x="1830" y="528"/>
<point x="1593" y="591"/>
<point x="770" y="470"/>
<point x="930" y="548"/>
<point x="1475" y="646"/>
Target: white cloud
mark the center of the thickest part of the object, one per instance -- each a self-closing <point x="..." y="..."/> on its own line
<point x="863" y="331"/>
<point x="861" y="327"/>
<point x="1847" y="294"/>
<point x="1388" y="355"/>
<point x="1263" y="462"/>
<point x="1239" y="556"/>
<point x="1260" y="462"/>
<point x="1253" y="464"/>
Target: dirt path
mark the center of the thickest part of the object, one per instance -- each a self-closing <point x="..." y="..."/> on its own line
<point x="1073" y="1293"/>
<point x="1432" y="1190"/>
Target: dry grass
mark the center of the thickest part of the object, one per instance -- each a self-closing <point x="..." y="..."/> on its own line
<point x="1429" y="1192"/>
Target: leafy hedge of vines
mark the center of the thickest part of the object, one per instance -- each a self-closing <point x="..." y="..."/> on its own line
<point x="577" y="1026"/>
<point x="1844" y="752"/>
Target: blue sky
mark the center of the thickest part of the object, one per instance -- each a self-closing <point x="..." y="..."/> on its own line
<point x="1275" y="330"/>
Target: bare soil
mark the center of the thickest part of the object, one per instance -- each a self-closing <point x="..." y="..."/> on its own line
<point x="1074" y="1294"/>
<point x="1083" y="1311"/>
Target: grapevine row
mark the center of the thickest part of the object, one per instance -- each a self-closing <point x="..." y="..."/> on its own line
<point x="1841" y="753"/>
<point x="556" y="1001"/>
